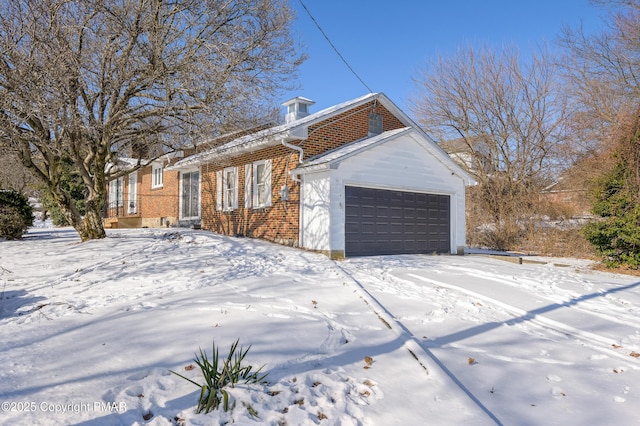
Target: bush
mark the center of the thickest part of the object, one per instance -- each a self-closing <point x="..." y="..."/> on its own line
<point x="11" y="224"/>
<point x="617" y="238"/>
<point x="16" y="214"/>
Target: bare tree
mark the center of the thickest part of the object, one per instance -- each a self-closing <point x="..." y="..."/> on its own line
<point x="13" y="175"/>
<point x="92" y="80"/>
<point x="509" y="116"/>
<point x="602" y="71"/>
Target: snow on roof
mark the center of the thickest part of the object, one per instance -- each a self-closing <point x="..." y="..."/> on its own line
<point x="273" y="135"/>
<point x="124" y="163"/>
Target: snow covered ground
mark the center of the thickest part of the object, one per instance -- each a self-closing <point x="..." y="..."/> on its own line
<point x="89" y="332"/>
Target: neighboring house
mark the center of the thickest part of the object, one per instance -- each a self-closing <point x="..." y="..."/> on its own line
<point x="475" y="158"/>
<point x="358" y="178"/>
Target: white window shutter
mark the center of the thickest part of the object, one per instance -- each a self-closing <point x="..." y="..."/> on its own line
<point x="267" y="184"/>
<point x="235" y="188"/>
<point x="248" y="185"/>
<point x="219" y="190"/>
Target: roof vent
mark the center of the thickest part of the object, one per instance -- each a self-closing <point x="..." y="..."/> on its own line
<point x="297" y="108"/>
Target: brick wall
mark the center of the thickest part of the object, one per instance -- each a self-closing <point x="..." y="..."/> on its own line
<point x="158" y="203"/>
<point x="280" y="221"/>
<point x="155" y="206"/>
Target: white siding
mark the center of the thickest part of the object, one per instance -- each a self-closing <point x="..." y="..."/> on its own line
<point x="314" y="211"/>
<point x="402" y="164"/>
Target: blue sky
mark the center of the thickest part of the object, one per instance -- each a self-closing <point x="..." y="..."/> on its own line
<point x="386" y="42"/>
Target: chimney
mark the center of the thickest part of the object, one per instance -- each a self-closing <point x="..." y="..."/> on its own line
<point x="297" y="108"/>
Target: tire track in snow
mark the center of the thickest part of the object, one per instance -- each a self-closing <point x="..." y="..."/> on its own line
<point x="620" y="317"/>
<point x="427" y="359"/>
<point x="597" y="341"/>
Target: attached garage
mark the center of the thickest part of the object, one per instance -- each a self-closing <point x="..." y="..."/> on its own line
<point x="394" y="193"/>
<point x="379" y="221"/>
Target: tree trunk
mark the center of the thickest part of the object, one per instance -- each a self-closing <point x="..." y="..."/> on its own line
<point x="91" y="227"/>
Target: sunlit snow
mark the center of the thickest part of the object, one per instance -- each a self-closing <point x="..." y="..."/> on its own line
<point x="89" y="332"/>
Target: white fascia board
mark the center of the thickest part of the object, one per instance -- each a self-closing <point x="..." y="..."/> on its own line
<point x="432" y="146"/>
<point x="313" y="169"/>
<point x="332" y="159"/>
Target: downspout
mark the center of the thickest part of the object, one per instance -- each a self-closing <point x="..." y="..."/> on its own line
<point x="300" y="157"/>
<point x="296" y="179"/>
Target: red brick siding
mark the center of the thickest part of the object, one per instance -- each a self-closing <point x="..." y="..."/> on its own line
<point x="344" y="128"/>
<point x="280" y="221"/>
<point x="152" y="203"/>
<point x="156" y="203"/>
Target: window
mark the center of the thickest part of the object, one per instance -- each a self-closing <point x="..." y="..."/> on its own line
<point x="227" y="189"/>
<point x="375" y="124"/>
<point x="262" y="183"/>
<point x="115" y="194"/>
<point x="190" y="195"/>
<point x="133" y="192"/>
<point x="258" y="184"/>
<point x="156" y="176"/>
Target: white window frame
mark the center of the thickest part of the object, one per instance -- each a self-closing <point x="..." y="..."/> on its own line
<point x="198" y="193"/>
<point x="157" y="176"/>
<point x="258" y="184"/>
<point x="132" y="193"/>
<point x="116" y="197"/>
<point x="248" y="185"/>
<point x="230" y="188"/>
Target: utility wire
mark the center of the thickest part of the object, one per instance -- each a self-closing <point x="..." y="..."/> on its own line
<point x="335" y="48"/>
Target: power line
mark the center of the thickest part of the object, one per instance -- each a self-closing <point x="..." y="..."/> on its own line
<point x="335" y="48"/>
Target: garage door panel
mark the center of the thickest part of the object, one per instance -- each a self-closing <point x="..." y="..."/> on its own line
<point x="395" y="222"/>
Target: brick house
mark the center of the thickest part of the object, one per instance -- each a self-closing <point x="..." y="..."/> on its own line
<point x="146" y="197"/>
<point x="358" y="178"/>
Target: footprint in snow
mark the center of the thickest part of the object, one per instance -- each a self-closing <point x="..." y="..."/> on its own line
<point x="553" y="378"/>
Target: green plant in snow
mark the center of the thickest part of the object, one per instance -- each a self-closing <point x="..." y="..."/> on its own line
<point x="220" y="373"/>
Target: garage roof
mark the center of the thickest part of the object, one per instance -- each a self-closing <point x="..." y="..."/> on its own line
<point x="331" y="159"/>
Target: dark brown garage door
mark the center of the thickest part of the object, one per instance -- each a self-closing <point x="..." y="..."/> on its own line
<point x="394" y="222"/>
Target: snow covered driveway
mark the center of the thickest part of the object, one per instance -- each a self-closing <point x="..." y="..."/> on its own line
<point x="531" y="343"/>
<point x="89" y="332"/>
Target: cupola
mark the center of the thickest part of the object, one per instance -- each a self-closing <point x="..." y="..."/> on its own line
<point x="297" y="108"/>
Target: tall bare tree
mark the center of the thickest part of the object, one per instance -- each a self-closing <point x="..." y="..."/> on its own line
<point x="603" y="75"/>
<point x="603" y="68"/>
<point x="91" y="80"/>
<point x="508" y="115"/>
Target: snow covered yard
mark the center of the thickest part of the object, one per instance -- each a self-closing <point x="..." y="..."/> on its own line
<point x="89" y="332"/>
